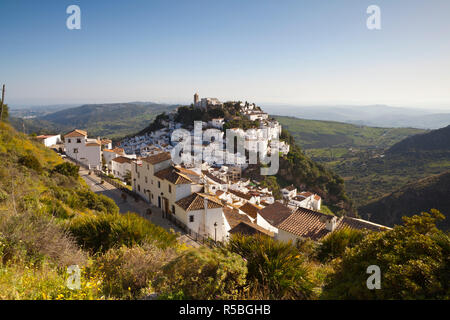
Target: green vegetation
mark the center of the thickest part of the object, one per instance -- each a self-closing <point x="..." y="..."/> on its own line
<point x="49" y="220"/>
<point x="276" y="270"/>
<point x="67" y="169"/>
<point x="374" y="161"/>
<point x="202" y="274"/>
<point x="413" y="259"/>
<point x="106" y="120"/>
<point x="103" y="231"/>
<point x="421" y="195"/>
<point x="335" y="244"/>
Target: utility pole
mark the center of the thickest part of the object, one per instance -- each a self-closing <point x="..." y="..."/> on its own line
<point x="3" y="99"/>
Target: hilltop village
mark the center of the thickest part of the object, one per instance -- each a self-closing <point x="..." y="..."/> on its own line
<point x="205" y="195"/>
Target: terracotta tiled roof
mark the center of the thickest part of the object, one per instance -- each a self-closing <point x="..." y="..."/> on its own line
<point x="196" y="201"/>
<point x="240" y="194"/>
<point x="247" y="228"/>
<point x="76" y="133"/>
<point x="290" y="188"/>
<point x="106" y="141"/>
<point x="213" y="178"/>
<point x="119" y="150"/>
<point x="107" y="150"/>
<point x="250" y="209"/>
<point x="305" y="194"/>
<point x="94" y="143"/>
<point x="234" y="217"/>
<point x="173" y="176"/>
<point x="46" y="136"/>
<point x="122" y="160"/>
<point x="157" y="158"/>
<point x="311" y="224"/>
<point x="275" y="213"/>
<point x="317" y="198"/>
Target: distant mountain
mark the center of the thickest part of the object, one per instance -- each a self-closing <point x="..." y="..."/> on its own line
<point x="113" y="120"/>
<point x="429" y="193"/>
<point x="374" y="115"/>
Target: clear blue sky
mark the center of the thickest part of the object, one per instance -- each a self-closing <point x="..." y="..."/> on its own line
<point x="293" y="52"/>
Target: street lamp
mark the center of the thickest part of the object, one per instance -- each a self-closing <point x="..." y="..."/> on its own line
<point x="215" y="231"/>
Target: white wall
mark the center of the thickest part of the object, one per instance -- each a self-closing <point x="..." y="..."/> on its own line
<point x="260" y="221"/>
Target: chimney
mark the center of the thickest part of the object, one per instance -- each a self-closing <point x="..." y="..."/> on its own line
<point x="330" y="223"/>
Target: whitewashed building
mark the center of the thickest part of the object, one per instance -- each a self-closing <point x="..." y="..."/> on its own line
<point x="84" y="150"/>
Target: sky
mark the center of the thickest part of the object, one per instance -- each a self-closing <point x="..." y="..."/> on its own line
<point x="264" y="51"/>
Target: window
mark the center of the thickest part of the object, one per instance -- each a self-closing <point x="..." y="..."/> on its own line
<point x="152" y="181"/>
<point x="159" y="184"/>
<point x="148" y="167"/>
<point x="75" y="150"/>
<point x="78" y="140"/>
<point x="69" y="140"/>
<point x="152" y="195"/>
<point x="191" y="218"/>
<point x="139" y="187"/>
<point x="139" y="175"/>
<point x="170" y="188"/>
<point x="146" y="180"/>
<point x="173" y="209"/>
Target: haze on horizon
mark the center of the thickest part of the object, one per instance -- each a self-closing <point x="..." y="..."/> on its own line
<point x="292" y="53"/>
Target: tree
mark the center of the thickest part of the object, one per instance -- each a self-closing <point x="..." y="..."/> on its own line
<point x="413" y="259"/>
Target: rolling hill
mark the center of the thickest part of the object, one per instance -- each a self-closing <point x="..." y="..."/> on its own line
<point x="373" y="161"/>
<point x="373" y="115"/>
<point x="420" y="196"/>
<point x="112" y="120"/>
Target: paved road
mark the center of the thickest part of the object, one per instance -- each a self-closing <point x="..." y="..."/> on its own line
<point x="139" y="207"/>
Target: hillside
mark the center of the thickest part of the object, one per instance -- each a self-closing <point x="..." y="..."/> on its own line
<point x="434" y="141"/>
<point x="106" y="120"/>
<point x="49" y="220"/>
<point x="295" y="168"/>
<point x="420" y="196"/>
<point x="373" y="176"/>
<point x="328" y="141"/>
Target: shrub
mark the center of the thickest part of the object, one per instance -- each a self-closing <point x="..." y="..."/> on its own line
<point x="30" y="162"/>
<point x="26" y="281"/>
<point x="98" y="202"/>
<point x="67" y="169"/>
<point x="31" y="237"/>
<point x="128" y="271"/>
<point x="413" y="259"/>
<point x="276" y="270"/>
<point x="104" y="231"/>
<point x="334" y="245"/>
<point x="202" y="274"/>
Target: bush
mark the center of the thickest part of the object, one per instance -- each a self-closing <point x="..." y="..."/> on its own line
<point x="104" y="231"/>
<point x="334" y="245"/>
<point x="276" y="270"/>
<point x="67" y="169"/>
<point x="413" y="259"/>
<point x="30" y="237"/>
<point x="202" y="274"/>
<point x="128" y="271"/>
<point x="30" y="162"/>
<point x="98" y="202"/>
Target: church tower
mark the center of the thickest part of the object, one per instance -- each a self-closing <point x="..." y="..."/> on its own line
<point x="196" y="99"/>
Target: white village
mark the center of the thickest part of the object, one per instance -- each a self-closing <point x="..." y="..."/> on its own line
<point x="204" y="194"/>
